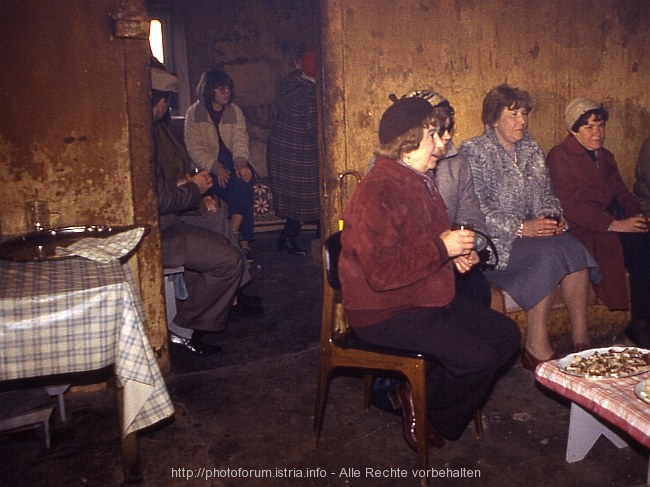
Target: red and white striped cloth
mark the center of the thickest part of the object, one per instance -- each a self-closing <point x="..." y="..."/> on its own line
<point x="613" y="399"/>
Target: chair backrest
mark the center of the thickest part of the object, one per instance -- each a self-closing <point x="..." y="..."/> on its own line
<point x="332" y="253"/>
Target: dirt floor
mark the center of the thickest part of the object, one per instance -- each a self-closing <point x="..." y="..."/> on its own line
<point x="244" y="418"/>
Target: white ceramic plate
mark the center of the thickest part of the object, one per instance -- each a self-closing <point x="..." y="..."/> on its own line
<point x="642" y="392"/>
<point x="565" y="362"/>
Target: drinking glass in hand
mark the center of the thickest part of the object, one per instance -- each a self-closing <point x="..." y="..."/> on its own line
<point x="462" y="226"/>
<point x="554" y="215"/>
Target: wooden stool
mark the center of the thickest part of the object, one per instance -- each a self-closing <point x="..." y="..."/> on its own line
<point x="26" y="408"/>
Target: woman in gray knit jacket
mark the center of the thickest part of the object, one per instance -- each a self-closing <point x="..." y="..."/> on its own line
<point x="524" y="218"/>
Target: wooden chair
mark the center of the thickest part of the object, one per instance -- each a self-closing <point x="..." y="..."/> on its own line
<point x="340" y="348"/>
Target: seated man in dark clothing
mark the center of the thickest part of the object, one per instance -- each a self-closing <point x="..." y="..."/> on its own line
<point x="193" y="234"/>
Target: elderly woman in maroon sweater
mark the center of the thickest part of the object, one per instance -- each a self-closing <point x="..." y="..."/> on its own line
<point x="397" y="273"/>
<point x="603" y="214"/>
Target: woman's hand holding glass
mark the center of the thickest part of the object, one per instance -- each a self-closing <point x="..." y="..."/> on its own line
<point x="544" y="226"/>
<point x="460" y="247"/>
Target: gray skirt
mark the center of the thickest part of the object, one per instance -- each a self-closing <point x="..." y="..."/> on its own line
<point x="537" y="265"/>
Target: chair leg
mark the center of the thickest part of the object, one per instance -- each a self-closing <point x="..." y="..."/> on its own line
<point x="321" y="397"/>
<point x="367" y="390"/>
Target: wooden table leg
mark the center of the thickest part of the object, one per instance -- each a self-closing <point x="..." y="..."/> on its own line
<point x="131" y="459"/>
<point x="130" y="456"/>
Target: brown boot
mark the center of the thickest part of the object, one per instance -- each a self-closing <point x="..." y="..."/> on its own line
<point x="401" y="396"/>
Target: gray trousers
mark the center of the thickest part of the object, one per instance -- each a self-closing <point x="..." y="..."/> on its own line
<point x="214" y="270"/>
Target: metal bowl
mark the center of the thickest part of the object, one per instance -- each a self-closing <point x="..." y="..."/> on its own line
<point x="39" y="246"/>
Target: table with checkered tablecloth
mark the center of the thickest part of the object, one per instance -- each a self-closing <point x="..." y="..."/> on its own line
<point x="73" y="315"/>
<point x="607" y="407"/>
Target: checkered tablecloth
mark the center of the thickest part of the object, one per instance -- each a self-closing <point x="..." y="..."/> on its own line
<point x="73" y="315"/>
<point x="610" y="399"/>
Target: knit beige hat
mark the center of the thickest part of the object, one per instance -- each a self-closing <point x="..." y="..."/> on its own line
<point x="576" y="108"/>
<point x="161" y="80"/>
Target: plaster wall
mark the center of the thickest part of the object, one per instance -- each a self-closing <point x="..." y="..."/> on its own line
<point x="61" y="138"/>
<point x="556" y="50"/>
<point x="76" y="127"/>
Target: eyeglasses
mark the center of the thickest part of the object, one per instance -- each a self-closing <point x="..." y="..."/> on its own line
<point x="223" y="89"/>
<point x="591" y="126"/>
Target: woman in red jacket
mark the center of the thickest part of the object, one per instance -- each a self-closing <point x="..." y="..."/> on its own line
<point x="603" y="214"/>
<point x="397" y="272"/>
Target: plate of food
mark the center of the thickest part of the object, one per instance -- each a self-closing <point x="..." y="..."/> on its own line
<point x="642" y="390"/>
<point x="606" y="363"/>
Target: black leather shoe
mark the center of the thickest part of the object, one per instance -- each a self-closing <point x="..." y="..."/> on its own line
<point x="193" y="346"/>
<point x="290" y="245"/>
<point x="401" y="396"/>
<point x="639" y="332"/>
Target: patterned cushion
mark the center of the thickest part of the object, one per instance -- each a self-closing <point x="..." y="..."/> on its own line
<point x="263" y="213"/>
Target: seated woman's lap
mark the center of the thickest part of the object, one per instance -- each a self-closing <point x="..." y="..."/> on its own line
<point x="237" y="193"/>
<point x="465" y="337"/>
<point x="537" y="265"/>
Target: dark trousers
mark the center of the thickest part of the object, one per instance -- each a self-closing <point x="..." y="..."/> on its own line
<point x="472" y="285"/>
<point x="636" y="251"/>
<point x="238" y="194"/>
<point x="291" y="228"/>
<point x="475" y="286"/>
<point x="472" y="344"/>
